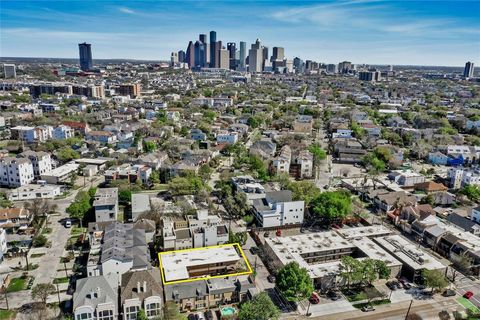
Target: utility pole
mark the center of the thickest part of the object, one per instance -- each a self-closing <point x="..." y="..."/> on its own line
<point x="409" y="307"/>
<point x="58" y="294"/>
<point x="6" y="298"/>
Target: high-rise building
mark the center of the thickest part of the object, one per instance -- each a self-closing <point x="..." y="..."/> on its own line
<point x="468" y="71"/>
<point x="278" y="59"/>
<point x="298" y="65"/>
<point x="232" y="50"/>
<point x="243" y="53"/>
<point x="190" y="55"/>
<point x="130" y="89"/>
<point x="173" y="58"/>
<point x="85" y="51"/>
<point x="345" y="67"/>
<point x="255" y="57"/>
<point x="224" y="59"/>
<point x="200" y="58"/>
<point x="203" y="38"/>
<point x="217" y="47"/>
<point x="181" y="56"/>
<point x="9" y="71"/>
<point x="213" y="41"/>
<point x="332" y="68"/>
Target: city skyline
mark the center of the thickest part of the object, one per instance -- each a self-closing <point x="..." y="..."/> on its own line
<point x="364" y="31"/>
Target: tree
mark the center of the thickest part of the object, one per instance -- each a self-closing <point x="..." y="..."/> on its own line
<point x="435" y="279"/>
<point x="66" y="154"/>
<point x="124" y="195"/>
<point x="318" y="153"/>
<point x="294" y="282"/>
<point x="171" y="312"/>
<point x="238" y="237"/>
<point x="303" y="190"/>
<point x="40" y="207"/>
<point x="332" y="205"/>
<point x="350" y="270"/>
<point x="155" y="176"/>
<point x="472" y="192"/>
<point x="382" y="269"/>
<point x="149" y="146"/>
<point x="261" y="307"/>
<point x="41" y="292"/>
<point x="81" y="205"/>
<point x="39" y="241"/>
<point x="205" y="172"/>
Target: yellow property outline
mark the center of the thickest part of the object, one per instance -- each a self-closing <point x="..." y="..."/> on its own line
<point x="249" y="268"/>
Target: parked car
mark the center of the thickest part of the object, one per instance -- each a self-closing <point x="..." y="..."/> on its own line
<point x="314" y="298"/>
<point x="266" y="234"/>
<point x="192" y="316"/>
<point x="200" y="316"/>
<point x="468" y="294"/>
<point x="368" y="308"/>
<point x="271" y="278"/>
<point x="68" y="223"/>
<point x="392" y="285"/>
<point x="333" y="295"/>
<point x="448" y="293"/>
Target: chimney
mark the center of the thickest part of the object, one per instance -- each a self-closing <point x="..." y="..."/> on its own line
<point x="144" y="286"/>
<point x="138" y="287"/>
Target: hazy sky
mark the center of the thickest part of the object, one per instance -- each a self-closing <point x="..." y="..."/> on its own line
<point x="362" y="31"/>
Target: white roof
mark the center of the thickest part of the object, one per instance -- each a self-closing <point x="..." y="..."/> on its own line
<point x="175" y="264"/>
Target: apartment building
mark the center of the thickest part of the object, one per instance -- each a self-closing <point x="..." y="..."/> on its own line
<point x="15" y="172"/>
<point x="41" y="162"/>
<point x="62" y="132"/>
<point x="277" y="209"/>
<point x="105" y="204"/>
<point x="281" y="164"/>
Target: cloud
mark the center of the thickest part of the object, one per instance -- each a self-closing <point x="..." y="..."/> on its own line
<point x="126" y="10"/>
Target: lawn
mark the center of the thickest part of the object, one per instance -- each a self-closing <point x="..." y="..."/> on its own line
<point x="37" y="255"/>
<point x="17" y="284"/>
<point x="353" y="295"/>
<point x="60" y="280"/>
<point x="7" y="314"/>
<point x="46" y="230"/>
<point x="372" y="303"/>
<point x="78" y="231"/>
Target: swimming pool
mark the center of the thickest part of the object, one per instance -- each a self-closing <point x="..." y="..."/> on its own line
<point x="228" y="311"/>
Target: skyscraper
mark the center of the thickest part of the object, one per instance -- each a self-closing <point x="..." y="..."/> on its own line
<point x="255" y="57"/>
<point x="278" y="57"/>
<point x="200" y="59"/>
<point x="190" y="55"/>
<point x="85" y="50"/>
<point x="224" y="59"/>
<point x="203" y="38"/>
<point x="243" y="52"/>
<point x="213" y="41"/>
<point x="173" y="58"/>
<point x="232" y="50"/>
<point x="468" y="71"/>
<point x="217" y="47"/>
<point x="181" y="56"/>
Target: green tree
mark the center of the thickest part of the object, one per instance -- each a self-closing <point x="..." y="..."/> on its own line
<point x="205" y="172"/>
<point x="149" y="146"/>
<point x="382" y="269"/>
<point x="318" y="153"/>
<point x="435" y="279"/>
<point x="141" y="315"/>
<point x="332" y="205"/>
<point x="238" y="237"/>
<point x="81" y="205"/>
<point x="472" y="192"/>
<point x="303" y="190"/>
<point x="261" y="307"/>
<point x="155" y="176"/>
<point x="350" y="270"/>
<point x="294" y="282"/>
<point x="66" y="154"/>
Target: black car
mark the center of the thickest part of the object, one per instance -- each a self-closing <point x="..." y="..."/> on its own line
<point x="254" y="250"/>
<point x="271" y="278"/>
<point x="333" y="295"/>
<point x="393" y="285"/>
<point x="448" y="293"/>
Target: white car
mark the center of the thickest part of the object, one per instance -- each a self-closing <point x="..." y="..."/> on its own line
<point x="68" y="224"/>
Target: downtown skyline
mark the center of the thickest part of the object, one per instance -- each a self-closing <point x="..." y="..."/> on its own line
<point x="365" y="31"/>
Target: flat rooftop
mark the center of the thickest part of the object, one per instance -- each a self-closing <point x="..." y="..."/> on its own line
<point x="175" y="264"/>
<point x="62" y="170"/>
<point x="409" y="253"/>
<point x="289" y="249"/>
<point x="367" y="231"/>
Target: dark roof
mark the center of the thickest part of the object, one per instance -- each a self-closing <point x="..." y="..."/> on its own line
<point x="279" y="196"/>
<point x="462" y="222"/>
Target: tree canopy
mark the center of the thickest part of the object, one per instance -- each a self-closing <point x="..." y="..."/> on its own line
<point x="435" y="279"/>
<point x="261" y="307"/>
<point x="332" y="205"/>
<point x="294" y="282"/>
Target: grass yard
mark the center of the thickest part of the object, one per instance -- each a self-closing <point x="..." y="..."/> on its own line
<point x="46" y="230"/>
<point x="353" y="295"/>
<point x="78" y="231"/>
<point x="372" y="303"/>
<point x="17" y="284"/>
<point x="60" y="280"/>
<point x="37" y="255"/>
<point x="7" y="314"/>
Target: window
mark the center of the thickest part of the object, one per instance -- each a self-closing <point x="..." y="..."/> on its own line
<point x="152" y="309"/>
<point x="84" y="316"/>
<point x="131" y="313"/>
<point x="105" y="315"/>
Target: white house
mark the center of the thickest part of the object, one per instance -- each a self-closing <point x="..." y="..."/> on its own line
<point x="41" y="162"/>
<point x="227" y="137"/>
<point x="282" y="162"/>
<point x="106" y="204"/>
<point x="3" y="243"/>
<point x="95" y="298"/>
<point x="277" y="209"/>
